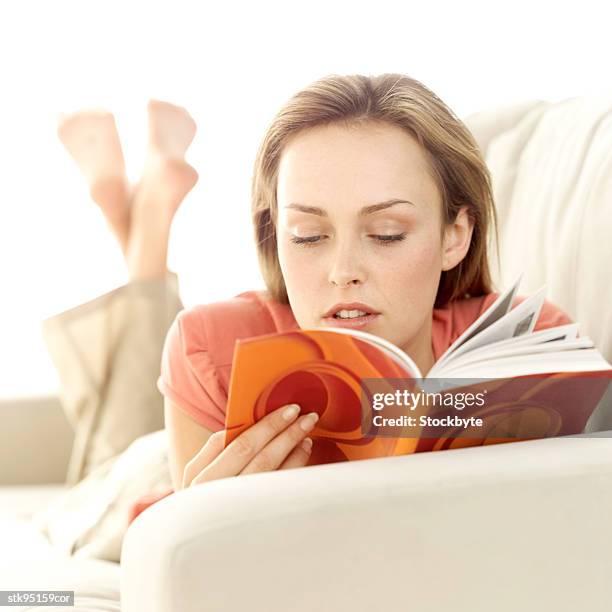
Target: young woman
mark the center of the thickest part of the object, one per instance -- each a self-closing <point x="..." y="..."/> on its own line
<point x="371" y="206"/>
<point x="371" y="202"/>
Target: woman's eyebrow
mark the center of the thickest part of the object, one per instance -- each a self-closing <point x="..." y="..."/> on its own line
<point x="366" y="210"/>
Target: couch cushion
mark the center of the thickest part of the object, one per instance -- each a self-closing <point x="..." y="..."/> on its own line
<point x="29" y="562"/>
<point x="25" y="500"/>
<point x="95" y="583"/>
<point x="550" y="165"/>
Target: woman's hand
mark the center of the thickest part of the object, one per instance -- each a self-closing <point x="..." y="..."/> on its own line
<point x="277" y="441"/>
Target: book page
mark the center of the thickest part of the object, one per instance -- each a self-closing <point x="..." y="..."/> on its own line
<point x="547" y="337"/>
<point x="510" y="350"/>
<point x="576" y="360"/>
<point x="520" y="320"/>
<point x="496" y="311"/>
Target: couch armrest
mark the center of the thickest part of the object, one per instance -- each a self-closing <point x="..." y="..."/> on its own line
<point x="35" y="441"/>
<point x="525" y="525"/>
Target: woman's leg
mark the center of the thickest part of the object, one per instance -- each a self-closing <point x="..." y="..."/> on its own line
<point x="108" y="351"/>
<point x="166" y="180"/>
<point x="91" y="139"/>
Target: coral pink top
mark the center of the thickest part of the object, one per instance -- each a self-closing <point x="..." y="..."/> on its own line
<point x="197" y="356"/>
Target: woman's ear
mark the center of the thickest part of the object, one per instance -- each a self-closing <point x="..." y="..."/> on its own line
<point x="457" y="239"/>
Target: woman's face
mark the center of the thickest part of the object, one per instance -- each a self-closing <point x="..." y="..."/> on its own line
<point x="364" y="200"/>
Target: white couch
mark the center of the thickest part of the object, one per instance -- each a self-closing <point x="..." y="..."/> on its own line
<point x="517" y="526"/>
<point x="35" y="441"/>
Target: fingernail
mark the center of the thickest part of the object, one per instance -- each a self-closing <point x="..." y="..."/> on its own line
<point x="308" y="422"/>
<point x="291" y="412"/>
<point x="307" y="444"/>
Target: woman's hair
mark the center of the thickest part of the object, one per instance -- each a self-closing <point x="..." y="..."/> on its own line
<point x="457" y="165"/>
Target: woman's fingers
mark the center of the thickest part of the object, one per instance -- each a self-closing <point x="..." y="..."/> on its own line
<point x="299" y="456"/>
<point x="241" y="451"/>
<point x="278" y="449"/>
<point x="210" y="450"/>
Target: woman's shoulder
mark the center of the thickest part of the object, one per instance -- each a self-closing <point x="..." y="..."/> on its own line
<point x="199" y="346"/>
<point x="215" y="326"/>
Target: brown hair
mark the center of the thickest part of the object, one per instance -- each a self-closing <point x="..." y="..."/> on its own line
<point x="456" y="162"/>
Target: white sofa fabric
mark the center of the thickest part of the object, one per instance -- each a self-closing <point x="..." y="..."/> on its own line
<point x="521" y="526"/>
<point x="551" y="166"/>
<point x="28" y="561"/>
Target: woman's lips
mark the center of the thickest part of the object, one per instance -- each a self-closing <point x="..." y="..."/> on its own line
<point x="353" y="323"/>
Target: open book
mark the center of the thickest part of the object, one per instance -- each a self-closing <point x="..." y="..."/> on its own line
<point x="501" y="343"/>
<point x="324" y="370"/>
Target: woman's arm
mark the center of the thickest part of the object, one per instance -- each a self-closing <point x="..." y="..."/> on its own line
<point x="185" y="439"/>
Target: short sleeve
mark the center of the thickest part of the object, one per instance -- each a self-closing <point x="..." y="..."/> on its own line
<point x="188" y="376"/>
<point x="551" y="316"/>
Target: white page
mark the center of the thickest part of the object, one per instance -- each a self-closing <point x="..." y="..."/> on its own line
<point x="520" y="320"/>
<point x="497" y="310"/>
<point x="562" y="333"/>
<point x="579" y="360"/>
<point x="511" y="351"/>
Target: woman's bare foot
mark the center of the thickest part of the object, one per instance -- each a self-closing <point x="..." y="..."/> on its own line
<point x="171" y="128"/>
<point x="165" y="181"/>
<point x="91" y="139"/>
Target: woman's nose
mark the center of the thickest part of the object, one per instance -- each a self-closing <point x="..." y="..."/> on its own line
<point x="346" y="266"/>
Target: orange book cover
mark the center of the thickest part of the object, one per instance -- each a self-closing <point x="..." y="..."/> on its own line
<point x="323" y="370"/>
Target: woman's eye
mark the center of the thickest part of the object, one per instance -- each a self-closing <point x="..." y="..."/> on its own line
<point x="308" y="240"/>
<point x="390" y="238"/>
<point x="383" y="239"/>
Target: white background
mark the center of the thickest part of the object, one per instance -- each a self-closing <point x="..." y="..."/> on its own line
<point x="231" y="67"/>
